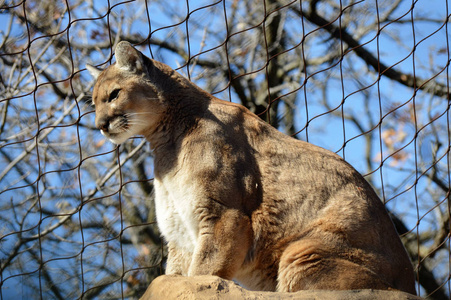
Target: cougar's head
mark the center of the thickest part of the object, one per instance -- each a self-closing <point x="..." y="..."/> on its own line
<point x="126" y="103"/>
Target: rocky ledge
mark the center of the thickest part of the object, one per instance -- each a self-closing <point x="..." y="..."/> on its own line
<point x="212" y="287"/>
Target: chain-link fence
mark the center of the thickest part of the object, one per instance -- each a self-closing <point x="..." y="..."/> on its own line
<point x="366" y="79"/>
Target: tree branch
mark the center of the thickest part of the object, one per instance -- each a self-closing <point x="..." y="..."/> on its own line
<point x="390" y="72"/>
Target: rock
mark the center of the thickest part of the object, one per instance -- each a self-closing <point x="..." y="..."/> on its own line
<point x="212" y="287"/>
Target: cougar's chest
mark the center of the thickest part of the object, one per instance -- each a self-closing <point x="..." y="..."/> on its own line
<point x="175" y="202"/>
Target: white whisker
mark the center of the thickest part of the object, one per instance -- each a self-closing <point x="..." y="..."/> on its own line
<point x="137" y="123"/>
<point x="140" y="113"/>
<point x="137" y="119"/>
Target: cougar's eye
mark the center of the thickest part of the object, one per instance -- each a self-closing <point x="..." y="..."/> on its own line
<point x="114" y="95"/>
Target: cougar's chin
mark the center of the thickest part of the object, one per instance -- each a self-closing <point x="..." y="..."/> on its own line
<point x="116" y="138"/>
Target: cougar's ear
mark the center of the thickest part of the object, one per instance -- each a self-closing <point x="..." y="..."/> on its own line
<point x="95" y="72"/>
<point x="128" y="58"/>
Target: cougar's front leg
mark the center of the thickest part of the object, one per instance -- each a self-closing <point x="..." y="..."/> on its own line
<point x="178" y="261"/>
<point x="223" y="244"/>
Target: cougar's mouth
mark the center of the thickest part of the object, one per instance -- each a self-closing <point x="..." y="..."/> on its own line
<point x="117" y="130"/>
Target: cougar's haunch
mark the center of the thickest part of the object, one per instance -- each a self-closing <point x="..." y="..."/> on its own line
<point x="236" y="198"/>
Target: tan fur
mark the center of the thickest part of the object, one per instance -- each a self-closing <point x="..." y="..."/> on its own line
<point x="238" y="199"/>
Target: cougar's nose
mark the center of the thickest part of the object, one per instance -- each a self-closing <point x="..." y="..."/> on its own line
<point x="103" y="125"/>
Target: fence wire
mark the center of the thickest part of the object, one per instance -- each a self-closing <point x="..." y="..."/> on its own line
<point x="366" y="79"/>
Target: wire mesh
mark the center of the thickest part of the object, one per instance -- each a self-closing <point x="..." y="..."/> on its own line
<point x="366" y="79"/>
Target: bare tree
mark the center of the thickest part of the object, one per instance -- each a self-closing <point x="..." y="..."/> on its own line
<point x="367" y="79"/>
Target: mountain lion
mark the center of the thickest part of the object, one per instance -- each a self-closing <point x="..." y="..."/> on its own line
<point x="238" y="199"/>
